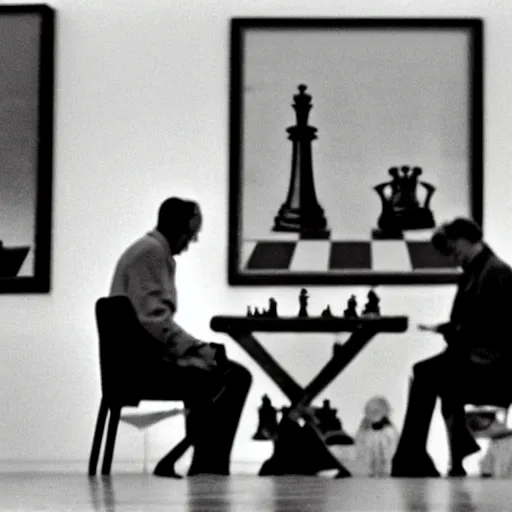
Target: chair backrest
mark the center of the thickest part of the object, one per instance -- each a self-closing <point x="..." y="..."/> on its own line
<point x="123" y="349"/>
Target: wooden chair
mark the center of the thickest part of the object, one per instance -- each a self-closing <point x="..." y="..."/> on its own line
<point x="123" y="346"/>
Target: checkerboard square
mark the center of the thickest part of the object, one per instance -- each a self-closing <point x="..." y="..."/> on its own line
<point x="390" y="256"/>
<point x="350" y="255"/>
<point x="271" y="256"/>
<point x="419" y="235"/>
<point x="311" y="256"/>
<point x="424" y="256"/>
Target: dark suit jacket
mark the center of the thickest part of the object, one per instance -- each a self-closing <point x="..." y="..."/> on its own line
<point x="481" y="319"/>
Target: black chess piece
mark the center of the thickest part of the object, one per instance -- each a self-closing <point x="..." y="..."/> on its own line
<point x="324" y="416"/>
<point x="272" y="308"/>
<point x="267" y="426"/>
<point x="351" y="310"/>
<point x="372" y="307"/>
<point x="326" y="313"/>
<point x="299" y="450"/>
<point x="401" y="208"/>
<point x="301" y="212"/>
<point x="331" y="426"/>
<point x="249" y="311"/>
<point x="303" y="302"/>
<point x="257" y="312"/>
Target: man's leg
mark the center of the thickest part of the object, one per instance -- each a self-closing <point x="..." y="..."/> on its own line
<point x="460" y="440"/>
<point x="411" y="457"/>
<point x="224" y="415"/>
<point x="460" y="385"/>
<point x="195" y="387"/>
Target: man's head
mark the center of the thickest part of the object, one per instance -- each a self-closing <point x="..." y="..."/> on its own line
<point x="460" y="239"/>
<point x="179" y="220"/>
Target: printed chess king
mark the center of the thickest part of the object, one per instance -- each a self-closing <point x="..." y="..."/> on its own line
<point x="288" y="252"/>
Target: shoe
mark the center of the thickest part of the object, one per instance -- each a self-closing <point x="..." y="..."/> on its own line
<point x="207" y="472"/>
<point x="457" y="471"/>
<point x="420" y="467"/>
<point x="166" y="470"/>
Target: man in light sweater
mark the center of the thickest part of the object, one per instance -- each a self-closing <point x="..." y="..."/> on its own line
<point x="214" y="392"/>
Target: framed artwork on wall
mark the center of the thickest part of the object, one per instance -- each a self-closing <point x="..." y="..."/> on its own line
<point x="26" y="158"/>
<point x="350" y="141"/>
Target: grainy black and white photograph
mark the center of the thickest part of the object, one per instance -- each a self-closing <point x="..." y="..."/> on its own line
<point x="351" y="140"/>
<point x="255" y="256"/>
<point x="26" y="103"/>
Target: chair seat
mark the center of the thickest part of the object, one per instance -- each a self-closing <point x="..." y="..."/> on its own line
<point x="143" y="420"/>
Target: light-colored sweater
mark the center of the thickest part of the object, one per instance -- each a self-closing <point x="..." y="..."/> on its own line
<point x="145" y="273"/>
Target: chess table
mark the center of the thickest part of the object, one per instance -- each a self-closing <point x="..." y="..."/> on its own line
<point x="362" y="330"/>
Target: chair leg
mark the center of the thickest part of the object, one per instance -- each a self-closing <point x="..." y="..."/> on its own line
<point x="98" y="437"/>
<point x="115" y="413"/>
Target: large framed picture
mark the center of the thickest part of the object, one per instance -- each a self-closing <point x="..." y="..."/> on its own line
<point x="351" y="140"/>
<point x="26" y="132"/>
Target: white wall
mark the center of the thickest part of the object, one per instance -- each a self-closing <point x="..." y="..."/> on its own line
<point x="142" y="113"/>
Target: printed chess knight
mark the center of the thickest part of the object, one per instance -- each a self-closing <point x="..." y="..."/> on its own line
<point x="401" y="209"/>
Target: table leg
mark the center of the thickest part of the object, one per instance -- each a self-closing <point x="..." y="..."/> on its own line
<point x="272" y="368"/>
<point x="302" y="397"/>
<point x="343" y="354"/>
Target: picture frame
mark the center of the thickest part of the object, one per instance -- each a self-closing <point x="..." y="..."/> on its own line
<point x="351" y="140"/>
<point x="27" y="116"/>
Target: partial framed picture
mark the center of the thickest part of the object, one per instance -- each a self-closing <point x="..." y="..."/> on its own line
<point x="351" y="140"/>
<point x="26" y="141"/>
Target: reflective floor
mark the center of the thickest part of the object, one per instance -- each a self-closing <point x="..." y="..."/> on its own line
<point x="133" y="492"/>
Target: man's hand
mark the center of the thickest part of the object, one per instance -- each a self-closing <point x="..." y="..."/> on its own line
<point x="200" y="356"/>
<point x="429" y="328"/>
<point x="207" y="352"/>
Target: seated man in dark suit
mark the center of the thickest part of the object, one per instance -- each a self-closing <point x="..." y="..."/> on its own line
<point x="476" y="363"/>
<point x="214" y="389"/>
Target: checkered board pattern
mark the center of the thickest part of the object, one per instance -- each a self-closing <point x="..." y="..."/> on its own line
<point x="286" y="251"/>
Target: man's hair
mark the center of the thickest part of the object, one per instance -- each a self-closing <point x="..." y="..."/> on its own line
<point x="175" y="214"/>
<point x="458" y="228"/>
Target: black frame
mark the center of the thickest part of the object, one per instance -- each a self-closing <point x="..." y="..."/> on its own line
<point x="39" y="281"/>
<point x="238" y="28"/>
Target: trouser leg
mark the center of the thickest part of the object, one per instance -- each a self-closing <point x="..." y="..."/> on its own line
<point x="423" y="394"/>
<point x="460" y="439"/>
<point x="215" y="425"/>
<point x="411" y="457"/>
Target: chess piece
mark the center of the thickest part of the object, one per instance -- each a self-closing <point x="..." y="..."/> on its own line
<point x="257" y="312"/>
<point x="372" y="306"/>
<point x="401" y="209"/>
<point x="351" y="310"/>
<point x="301" y="212"/>
<point x="299" y="450"/>
<point x="326" y="313"/>
<point x="331" y="427"/>
<point x="249" y="311"/>
<point x="303" y="301"/>
<point x="327" y="419"/>
<point x="272" y="308"/>
<point x="267" y="427"/>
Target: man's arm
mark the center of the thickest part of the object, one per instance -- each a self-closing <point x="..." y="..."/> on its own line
<point x="494" y="305"/>
<point x="151" y="287"/>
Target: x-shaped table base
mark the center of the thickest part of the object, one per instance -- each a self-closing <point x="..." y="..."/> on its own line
<point x="241" y="329"/>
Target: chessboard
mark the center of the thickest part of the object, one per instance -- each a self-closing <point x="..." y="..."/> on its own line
<point x="287" y="251"/>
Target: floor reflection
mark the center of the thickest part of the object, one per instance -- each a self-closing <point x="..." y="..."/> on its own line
<point x="209" y="493"/>
<point x="101" y="492"/>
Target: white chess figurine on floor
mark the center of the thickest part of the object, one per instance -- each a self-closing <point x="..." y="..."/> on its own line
<point x="376" y="439"/>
